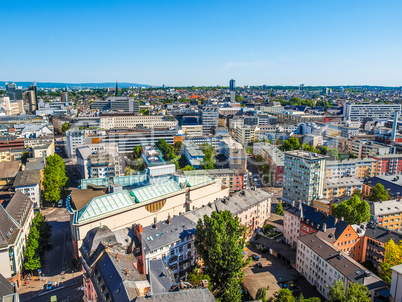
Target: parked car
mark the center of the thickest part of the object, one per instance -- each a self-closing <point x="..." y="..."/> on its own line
<point x="49" y="285"/>
<point x="258" y="265"/>
<point x="60" y="203"/>
<point x="255" y="257"/>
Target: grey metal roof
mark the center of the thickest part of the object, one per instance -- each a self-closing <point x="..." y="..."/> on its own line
<point x="189" y="295"/>
<point x="165" y="233"/>
<point x="35" y="164"/>
<point x="5" y="287"/>
<point x="386" y="207"/>
<point x="161" y="277"/>
<point x="19" y="207"/>
<point x="8" y="229"/>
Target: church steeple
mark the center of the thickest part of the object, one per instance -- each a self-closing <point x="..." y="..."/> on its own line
<point x="117" y="90"/>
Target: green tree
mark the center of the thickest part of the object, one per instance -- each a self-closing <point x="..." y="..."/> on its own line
<point x="188" y="168"/>
<point x="239" y="98"/>
<point x="138" y="164"/>
<point x="137" y="151"/>
<point x="357" y="193"/>
<point x="144" y="111"/>
<point x="54" y="177"/>
<point x="279" y="209"/>
<point x="196" y="277"/>
<point x="309" y="103"/>
<point x="355" y="292"/>
<point x="285" y="295"/>
<point x="353" y="210"/>
<point x="209" y="156"/>
<point x="24" y="157"/>
<point x="177" y="146"/>
<point x="379" y="193"/>
<point x="332" y="153"/>
<point x="392" y="257"/>
<point x="294" y="142"/>
<point x="37" y="241"/>
<point x="295" y="101"/>
<point x="261" y="294"/>
<point x="219" y="240"/>
<point x="65" y="126"/>
<point x="166" y="149"/>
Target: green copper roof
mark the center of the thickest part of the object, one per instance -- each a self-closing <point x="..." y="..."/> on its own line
<point x="154" y="191"/>
<point x="105" y="204"/>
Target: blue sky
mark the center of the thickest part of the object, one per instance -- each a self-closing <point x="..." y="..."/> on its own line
<point x="203" y="42"/>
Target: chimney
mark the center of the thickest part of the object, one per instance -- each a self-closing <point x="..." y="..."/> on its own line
<point x="336" y="220"/>
<point x="117" y="258"/>
<point x="342" y="218"/>
<point x="324" y="227"/>
<point x="168" y="220"/>
<point x="155" y="224"/>
<point x="127" y="272"/>
<point x="204" y="283"/>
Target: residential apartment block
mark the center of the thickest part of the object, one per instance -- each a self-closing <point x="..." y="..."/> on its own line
<point x="235" y="154"/>
<point x="387" y="213"/>
<point x="29" y="183"/>
<point x="246" y="134"/>
<point x="274" y="157"/>
<point x="388" y="164"/>
<point x="322" y="264"/>
<point x="303" y="176"/>
<point x="363" y="149"/>
<point x="338" y="187"/>
<point x="357" y="168"/>
<point x="16" y="220"/>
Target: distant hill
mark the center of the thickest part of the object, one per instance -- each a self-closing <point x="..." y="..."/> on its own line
<point x="75" y="85"/>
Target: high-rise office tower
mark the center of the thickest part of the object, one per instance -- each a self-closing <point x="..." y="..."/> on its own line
<point x="303" y="178"/>
<point x="232" y="85"/>
<point x="12" y="92"/>
<point x="64" y="97"/>
<point x="33" y="98"/>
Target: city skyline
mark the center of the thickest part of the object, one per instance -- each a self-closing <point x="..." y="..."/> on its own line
<point x="185" y="44"/>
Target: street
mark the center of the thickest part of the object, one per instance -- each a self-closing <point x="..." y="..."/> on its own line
<point x="58" y="266"/>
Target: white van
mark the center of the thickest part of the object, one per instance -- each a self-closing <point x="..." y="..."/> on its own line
<point x="60" y="203"/>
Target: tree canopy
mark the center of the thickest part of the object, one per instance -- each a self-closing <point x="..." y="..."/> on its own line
<point x="379" y="193"/>
<point x="209" y="156"/>
<point x="219" y="240"/>
<point x="188" y="168"/>
<point x="291" y="144"/>
<point x="177" y="146"/>
<point x="137" y="151"/>
<point x="355" y="292"/>
<point x="353" y="210"/>
<point x="54" y="177"/>
<point x="166" y="149"/>
<point x="279" y="209"/>
<point x="393" y="257"/>
<point x="37" y="242"/>
<point x="65" y="126"/>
